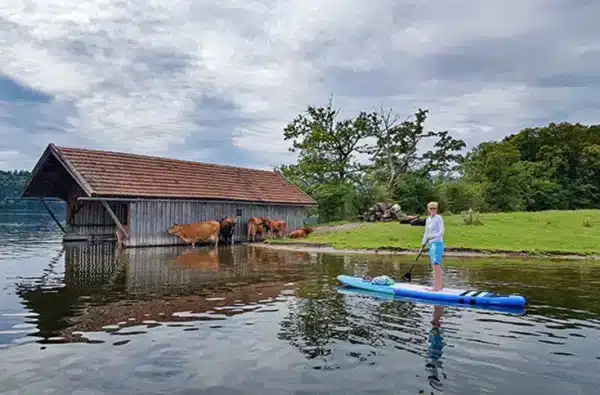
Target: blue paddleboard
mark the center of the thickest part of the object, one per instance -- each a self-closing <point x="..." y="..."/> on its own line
<point x="448" y="295"/>
<point x="381" y="296"/>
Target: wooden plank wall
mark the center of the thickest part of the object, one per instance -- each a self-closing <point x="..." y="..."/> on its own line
<point x="149" y="221"/>
<point x="91" y="218"/>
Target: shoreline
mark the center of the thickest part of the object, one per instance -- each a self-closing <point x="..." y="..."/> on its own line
<point x="449" y="252"/>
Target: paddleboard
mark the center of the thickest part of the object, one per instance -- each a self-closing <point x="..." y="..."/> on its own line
<point x="519" y="310"/>
<point x="449" y="295"/>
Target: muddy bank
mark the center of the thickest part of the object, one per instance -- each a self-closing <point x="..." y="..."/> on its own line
<point x="449" y="252"/>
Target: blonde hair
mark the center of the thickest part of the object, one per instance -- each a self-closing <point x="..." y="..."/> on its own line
<point x="432" y="205"/>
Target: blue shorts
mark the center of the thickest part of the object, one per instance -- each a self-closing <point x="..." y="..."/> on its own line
<point x="436" y="252"/>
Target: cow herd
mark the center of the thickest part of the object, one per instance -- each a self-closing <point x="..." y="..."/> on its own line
<point x="223" y="230"/>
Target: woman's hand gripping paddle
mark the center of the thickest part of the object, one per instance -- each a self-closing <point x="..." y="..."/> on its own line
<point x="408" y="275"/>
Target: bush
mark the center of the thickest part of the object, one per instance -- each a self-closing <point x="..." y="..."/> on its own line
<point x="471" y="217"/>
<point x="587" y="223"/>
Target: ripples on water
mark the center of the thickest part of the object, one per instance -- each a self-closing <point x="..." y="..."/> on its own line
<point x="250" y="320"/>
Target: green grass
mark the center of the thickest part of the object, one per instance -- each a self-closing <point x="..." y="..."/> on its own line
<point x="332" y="223"/>
<point x="547" y="232"/>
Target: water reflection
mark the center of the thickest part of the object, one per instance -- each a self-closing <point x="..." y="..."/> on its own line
<point x="253" y="320"/>
<point x="106" y="288"/>
<point x="204" y="260"/>
<point x="436" y="347"/>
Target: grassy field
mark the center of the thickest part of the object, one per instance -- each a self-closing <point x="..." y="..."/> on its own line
<point x="558" y="232"/>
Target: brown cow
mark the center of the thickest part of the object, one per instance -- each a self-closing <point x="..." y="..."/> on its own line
<point x="227" y="228"/>
<point x="199" y="231"/>
<point x="277" y="228"/>
<point x="300" y="233"/>
<point x="256" y="226"/>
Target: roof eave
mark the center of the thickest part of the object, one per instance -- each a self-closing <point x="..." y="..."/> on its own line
<point x="78" y="177"/>
<point x="52" y="150"/>
<point x="133" y="198"/>
<point x="36" y="169"/>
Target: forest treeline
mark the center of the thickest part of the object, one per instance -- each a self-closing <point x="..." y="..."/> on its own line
<point x="349" y="164"/>
<point x="346" y="165"/>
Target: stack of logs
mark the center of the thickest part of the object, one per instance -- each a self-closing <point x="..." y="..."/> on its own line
<point x="387" y="212"/>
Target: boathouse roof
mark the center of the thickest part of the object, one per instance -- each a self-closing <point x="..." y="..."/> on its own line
<point x="122" y="175"/>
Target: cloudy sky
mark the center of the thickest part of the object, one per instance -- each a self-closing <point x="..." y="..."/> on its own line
<point x="217" y="81"/>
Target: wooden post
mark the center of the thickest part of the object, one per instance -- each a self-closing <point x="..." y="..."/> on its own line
<point x="114" y="217"/>
<point x="53" y="215"/>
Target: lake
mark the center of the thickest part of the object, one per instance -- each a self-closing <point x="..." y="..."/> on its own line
<point x="87" y="319"/>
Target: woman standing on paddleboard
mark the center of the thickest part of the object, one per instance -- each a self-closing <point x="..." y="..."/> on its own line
<point x="434" y="235"/>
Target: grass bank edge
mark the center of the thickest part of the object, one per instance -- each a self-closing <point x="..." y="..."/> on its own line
<point x="449" y="250"/>
<point x="499" y="233"/>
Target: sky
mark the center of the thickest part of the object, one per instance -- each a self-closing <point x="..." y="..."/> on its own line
<point x="217" y="81"/>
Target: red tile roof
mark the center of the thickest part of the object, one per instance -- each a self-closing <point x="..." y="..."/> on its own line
<point x="119" y="174"/>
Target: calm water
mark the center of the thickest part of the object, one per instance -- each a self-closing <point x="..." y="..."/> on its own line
<point x="85" y="319"/>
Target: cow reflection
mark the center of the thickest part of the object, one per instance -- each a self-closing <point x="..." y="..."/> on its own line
<point x="204" y="260"/>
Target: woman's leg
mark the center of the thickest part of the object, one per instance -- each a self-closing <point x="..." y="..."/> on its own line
<point x="436" y="253"/>
<point x="438" y="278"/>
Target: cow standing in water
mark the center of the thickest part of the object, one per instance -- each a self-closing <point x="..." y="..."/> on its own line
<point x="228" y="225"/>
<point x="199" y="231"/>
<point x="277" y="228"/>
<point x="256" y="226"/>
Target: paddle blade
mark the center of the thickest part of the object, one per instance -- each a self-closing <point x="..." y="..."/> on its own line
<point x="408" y="275"/>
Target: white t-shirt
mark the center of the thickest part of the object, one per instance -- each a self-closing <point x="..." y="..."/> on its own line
<point x="434" y="226"/>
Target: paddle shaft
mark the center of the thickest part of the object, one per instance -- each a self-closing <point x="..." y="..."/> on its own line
<point x="408" y="275"/>
<point x="420" y="252"/>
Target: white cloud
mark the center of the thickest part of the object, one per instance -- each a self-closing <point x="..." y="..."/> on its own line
<point x="135" y="76"/>
<point x="8" y="157"/>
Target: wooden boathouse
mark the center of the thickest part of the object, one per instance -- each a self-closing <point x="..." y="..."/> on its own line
<point x="144" y="195"/>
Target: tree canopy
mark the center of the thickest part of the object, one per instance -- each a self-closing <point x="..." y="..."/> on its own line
<point x="349" y="164"/>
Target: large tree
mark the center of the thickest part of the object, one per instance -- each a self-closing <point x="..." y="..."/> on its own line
<point x="398" y="151"/>
<point x="328" y="149"/>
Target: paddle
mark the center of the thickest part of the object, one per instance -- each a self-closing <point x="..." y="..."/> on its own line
<point x="408" y="275"/>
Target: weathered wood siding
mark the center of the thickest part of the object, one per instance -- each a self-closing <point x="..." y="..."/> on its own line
<point x="149" y="221"/>
<point x="93" y="219"/>
<point x="89" y="218"/>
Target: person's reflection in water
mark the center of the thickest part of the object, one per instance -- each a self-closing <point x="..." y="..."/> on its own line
<point x="434" y="353"/>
